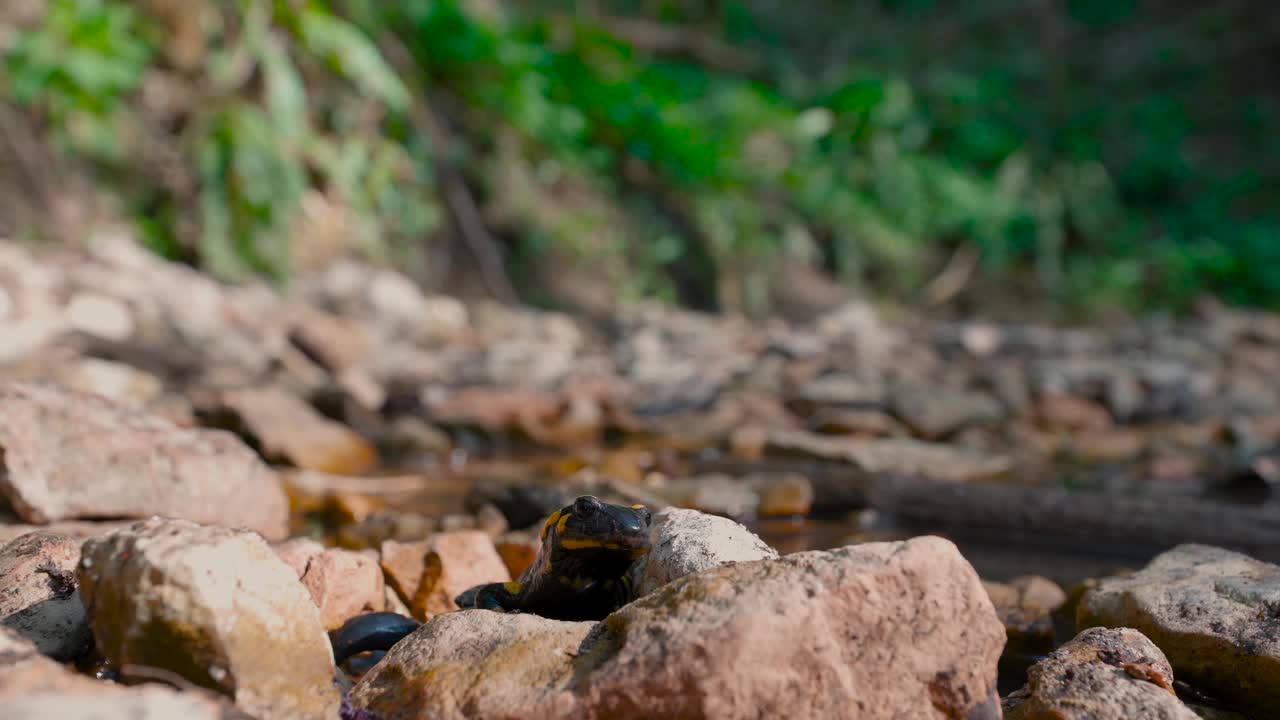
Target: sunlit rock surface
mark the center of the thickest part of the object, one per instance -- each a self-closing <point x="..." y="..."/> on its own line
<point x="890" y="630"/>
<point x="215" y="606"/>
<point x="1214" y="613"/>
<point x="69" y="455"/>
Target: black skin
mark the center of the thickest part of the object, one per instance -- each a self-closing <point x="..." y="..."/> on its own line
<point x="371" y="631"/>
<point x="579" y="574"/>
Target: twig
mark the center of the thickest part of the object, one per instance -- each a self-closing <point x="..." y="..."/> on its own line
<point x="457" y="197"/>
<point x="954" y="276"/>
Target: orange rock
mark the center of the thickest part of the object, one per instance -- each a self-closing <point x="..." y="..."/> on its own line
<point x="428" y="574"/>
<point x="518" y="551"/>
<point x="789" y="495"/>
<point x="344" y="584"/>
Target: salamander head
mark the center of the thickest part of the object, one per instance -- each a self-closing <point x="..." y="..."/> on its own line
<point x="589" y="525"/>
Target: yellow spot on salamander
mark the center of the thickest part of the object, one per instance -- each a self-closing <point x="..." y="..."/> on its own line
<point x="512" y="587"/>
<point x="637" y="507"/>
<point x="550" y="521"/>
<point x="560" y="526"/>
<point x="571" y="544"/>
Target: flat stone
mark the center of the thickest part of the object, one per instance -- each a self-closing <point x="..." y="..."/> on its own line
<point x="289" y="429"/>
<point x="888" y="630"/>
<point x="71" y="455"/>
<point x="215" y="606"/>
<point x="895" y="456"/>
<point x="1100" y="675"/>
<point x="935" y="412"/>
<point x="1214" y="613"/>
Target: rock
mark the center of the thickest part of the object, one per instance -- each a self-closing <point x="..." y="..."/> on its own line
<point x="1115" y="445"/>
<point x="72" y="528"/>
<point x="1025" y="605"/>
<point x="411" y="438"/>
<point x="839" y="421"/>
<point x="100" y="315"/>
<point x="429" y="574"/>
<point x="683" y="542"/>
<point x="297" y="553"/>
<point x="785" y="495"/>
<point x="38" y="595"/>
<point x="382" y="526"/>
<point x="1068" y="413"/>
<point x="748" y="442"/>
<point x="895" y="456"/>
<point x="30" y="567"/>
<point x="716" y="493"/>
<point x="289" y="429"/>
<point x="518" y="549"/>
<point x="342" y="583"/>
<point x="888" y="630"/>
<point x="841" y="391"/>
<point x="1100" y="675"/>
<point x="115" y="381"/>
<point x="109" y="702"/>
<point x="215" y="606"/>
<point x="335" y="342"/>
<point x="1214" y="613"/>
<point x="73" y="455"/>
<point x="33" y="686"/>
<point x="935" y="412"/>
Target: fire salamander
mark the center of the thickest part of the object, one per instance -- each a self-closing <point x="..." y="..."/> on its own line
<point x="580" y="573"/>
<point x="581" y="569"/>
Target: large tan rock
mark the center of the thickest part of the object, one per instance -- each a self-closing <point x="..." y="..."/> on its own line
<point x="889" y="630"/>
<point x="683" y="542"/>
<point x="1100" y="675"/>
<point x="70" y="455"/>
<point x="215" y="606"/>
<point x="1214" y="613"/>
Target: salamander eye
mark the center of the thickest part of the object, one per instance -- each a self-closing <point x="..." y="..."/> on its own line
<point x="644" y="513"/>
<point x="585" y="506"/>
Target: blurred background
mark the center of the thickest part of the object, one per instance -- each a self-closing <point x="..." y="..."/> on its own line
<point x="1060" y="158"/>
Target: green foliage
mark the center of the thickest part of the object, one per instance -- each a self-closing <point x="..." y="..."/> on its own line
<point x="79" y="67"/>
<point x="1082" y="179"/>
